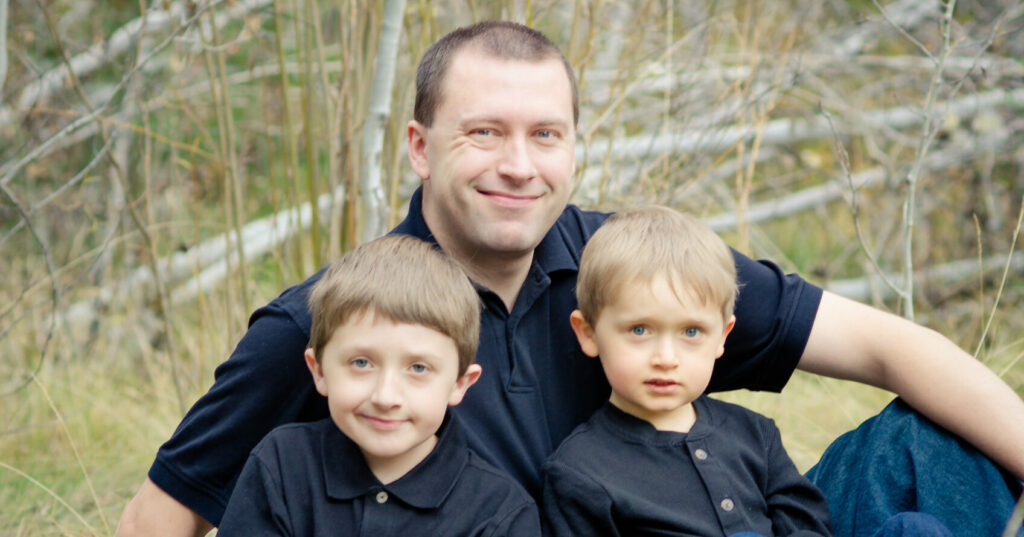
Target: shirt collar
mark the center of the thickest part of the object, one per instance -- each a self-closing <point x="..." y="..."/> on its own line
<point x="554" y="252"/>
<point x="425" y="486"/>
<point x="634" y="429"/>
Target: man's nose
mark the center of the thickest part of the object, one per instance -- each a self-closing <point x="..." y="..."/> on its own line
<point x="516" y="163"/>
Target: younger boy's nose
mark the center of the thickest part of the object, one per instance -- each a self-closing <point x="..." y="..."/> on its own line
<point x="665" y="356"/>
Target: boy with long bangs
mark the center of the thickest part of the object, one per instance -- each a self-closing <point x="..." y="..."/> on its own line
<point x="394" y="334"/>
<point x="656" y="291"/>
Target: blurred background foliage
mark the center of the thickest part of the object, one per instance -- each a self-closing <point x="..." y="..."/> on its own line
<point x="168" y="166"/>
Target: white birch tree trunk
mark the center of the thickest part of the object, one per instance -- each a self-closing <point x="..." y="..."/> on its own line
<point x="374" y="200"/>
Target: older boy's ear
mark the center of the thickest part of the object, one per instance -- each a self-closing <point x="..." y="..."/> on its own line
<point x="584" y="333"/>
<point x="416" y="136"/>
<point x="463" y="383"/>
<point x="725" y="333"/>
<point x="316" y="371"/>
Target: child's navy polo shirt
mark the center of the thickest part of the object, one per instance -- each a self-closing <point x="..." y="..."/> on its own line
<point x="618" y="475"/>
<point x="310" y="479"/>
<point x="536" y="385"/>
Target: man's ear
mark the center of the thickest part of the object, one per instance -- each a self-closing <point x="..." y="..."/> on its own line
<point x="725" y="333"/>
<point x="463" y="383"/>
<point x="584" y="333"/>
<point x="416" y="137"/>
<point x="316" y="371"/>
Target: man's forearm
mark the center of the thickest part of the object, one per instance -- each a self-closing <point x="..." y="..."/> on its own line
<point x="154" y="512"/>
<point x="853" y="341"/>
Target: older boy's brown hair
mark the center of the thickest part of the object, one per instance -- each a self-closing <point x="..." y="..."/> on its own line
<point x="643" y="244"/>
<point x="403" y="279"/>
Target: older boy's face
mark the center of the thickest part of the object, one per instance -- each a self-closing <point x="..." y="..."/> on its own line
<point x="498" y="160"/>
<point x="657" y="349"/>
<point x="388" y="385"/>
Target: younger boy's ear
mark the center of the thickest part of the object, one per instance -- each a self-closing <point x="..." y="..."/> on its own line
<point x="463" y="383"/>
<point x="725" y="333"/>
<point x="584" y="333"/>
<point x="316" y="371"/>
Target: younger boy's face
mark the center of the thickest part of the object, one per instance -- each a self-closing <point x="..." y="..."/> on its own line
<point x="388" y="385"/>
<point x="657" y="349"/>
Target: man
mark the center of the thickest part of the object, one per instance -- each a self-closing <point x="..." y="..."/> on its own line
<point x="493" y="142"/>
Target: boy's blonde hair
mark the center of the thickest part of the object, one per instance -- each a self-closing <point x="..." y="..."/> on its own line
<point x="643" y="244"/>
<point x="405" y="280"/>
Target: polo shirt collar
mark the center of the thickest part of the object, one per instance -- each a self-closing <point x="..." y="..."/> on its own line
<point x="425" y="486"/>
<point x="554" y="252"/>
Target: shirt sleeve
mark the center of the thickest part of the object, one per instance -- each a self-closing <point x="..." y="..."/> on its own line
<point x="257" y="504"/>
<point x="265" y="383"/>
<point x="774" y="314"/>
<point x="522" y="522"/>
<point x="796" y="507"/>
<point x="573" y="504"/>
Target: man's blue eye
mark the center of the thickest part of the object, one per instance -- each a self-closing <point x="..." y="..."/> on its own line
<point x="545" y="134"/>
<point x="482" y="132"/>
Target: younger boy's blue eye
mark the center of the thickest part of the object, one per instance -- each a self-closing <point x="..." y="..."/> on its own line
<point x="638" y="330"/>
<point x="692" y="332"/>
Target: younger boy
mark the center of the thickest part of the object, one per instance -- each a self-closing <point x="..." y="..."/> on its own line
<point x="394" y="334"/>
<point x="656" y="291"/>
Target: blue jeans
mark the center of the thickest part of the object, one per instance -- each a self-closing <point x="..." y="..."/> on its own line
<point x="899" y="461"/>
<point x="901" y="525"/>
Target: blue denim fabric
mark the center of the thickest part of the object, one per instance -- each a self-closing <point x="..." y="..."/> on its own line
<point x="900" y="461"/>
<point x="913" y="525"/>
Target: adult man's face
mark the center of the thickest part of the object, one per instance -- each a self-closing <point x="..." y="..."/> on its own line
<point x="498" y="160"/>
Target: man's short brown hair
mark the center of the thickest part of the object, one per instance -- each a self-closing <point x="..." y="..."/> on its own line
<point x="405" y="280"/>
<point x="500" y="39"/>
<point x="643" y="244"/>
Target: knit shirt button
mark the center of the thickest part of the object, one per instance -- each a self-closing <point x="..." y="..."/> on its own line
<point x="700" y="454"/>
<point x="382" y="497"/>
<point x="727" y="505"/>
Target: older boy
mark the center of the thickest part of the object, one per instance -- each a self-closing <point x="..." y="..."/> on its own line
<point x="395" y="331"/>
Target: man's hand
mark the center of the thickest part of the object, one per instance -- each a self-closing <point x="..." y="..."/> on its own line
<point x="856" y="342"/>
<point x="154" y="512"/>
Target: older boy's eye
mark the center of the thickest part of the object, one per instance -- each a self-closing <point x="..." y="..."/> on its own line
<point x="419" y="368"/>
<point x="360" y="363"/>
<point x="638" y="330"/>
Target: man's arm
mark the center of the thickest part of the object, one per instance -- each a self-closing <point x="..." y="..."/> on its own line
<point x="154" y="512"/>
<point x="853" y="341"/>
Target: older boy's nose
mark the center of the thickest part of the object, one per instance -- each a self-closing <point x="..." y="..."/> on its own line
<point x="516" y="164"/>
<point x="386" y="392"/>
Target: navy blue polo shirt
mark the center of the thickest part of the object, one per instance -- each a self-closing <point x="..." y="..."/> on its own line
<point x="536" y="386"/>
<point x="618" y="475"/>
<point x="309" y="479"/>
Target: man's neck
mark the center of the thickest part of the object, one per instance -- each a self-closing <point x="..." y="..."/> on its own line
<point x="504" y="275"/>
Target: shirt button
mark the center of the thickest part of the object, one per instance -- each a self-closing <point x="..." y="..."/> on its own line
<point x="382" y="497"/>
<point x="727" y="505"/>
<point x="700" y="454"/>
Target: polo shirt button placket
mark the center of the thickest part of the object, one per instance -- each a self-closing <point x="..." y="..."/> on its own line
<point x="382" y="497"/>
